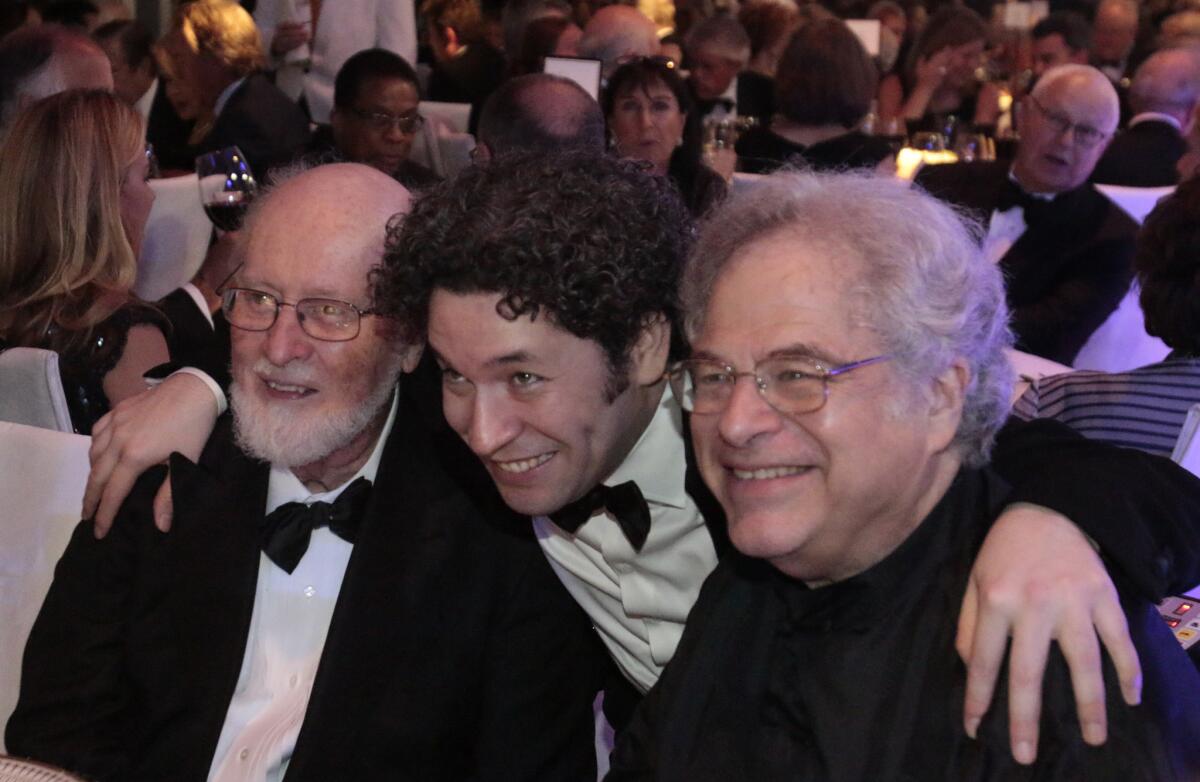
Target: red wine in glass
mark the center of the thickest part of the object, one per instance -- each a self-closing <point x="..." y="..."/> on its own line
<point x="227" y="186"/>
<point x="228" y="212"/>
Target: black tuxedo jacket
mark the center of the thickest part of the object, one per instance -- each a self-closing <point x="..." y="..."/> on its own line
<point x="265" y="124"/>
<point x="169" y="133"/>
<point x="1066" y="273"/>
<point x="453" y="652"/>
<point x="192" y="341"/>
<point x="1143" y="155"/>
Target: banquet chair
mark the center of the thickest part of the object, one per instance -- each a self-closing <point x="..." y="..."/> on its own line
<point x="31" y="389"/>
<point x="42" y="476"/>
<point x="21" y="770"/>
<point x="443" y="144"/>
<point x="176" y="239"/>
<point x="1121" y="343"/>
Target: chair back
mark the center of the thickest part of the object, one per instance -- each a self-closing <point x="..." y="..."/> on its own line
<point x="176" y="238"/>
<point x="443" y="144"/>
<point x="31" y="389"/>
<point x="21" y="770"/>
<point x="42" y="476"/>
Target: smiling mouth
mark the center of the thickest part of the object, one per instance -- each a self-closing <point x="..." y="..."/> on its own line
<point x="767" y="473"/>
<point x="287" y="388"/>
<point x="524" y="465"/>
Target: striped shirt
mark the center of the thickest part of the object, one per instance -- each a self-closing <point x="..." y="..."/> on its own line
<point x="1144" y="408"/>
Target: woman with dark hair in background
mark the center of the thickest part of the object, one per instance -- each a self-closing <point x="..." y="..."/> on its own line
<point x="72" y="214"/>
<point x="823" y="89"/>
<point x="1143" y="408"/>
<point x="646" y="105"/>
<point x="938" y="80"/>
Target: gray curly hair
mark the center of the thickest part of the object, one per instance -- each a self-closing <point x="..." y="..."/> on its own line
<point x="925" y="286"/>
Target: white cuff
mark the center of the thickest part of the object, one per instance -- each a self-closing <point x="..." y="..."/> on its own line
<point x="218" y="394"/>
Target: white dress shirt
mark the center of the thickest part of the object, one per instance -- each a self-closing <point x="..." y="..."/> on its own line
<point x="144" y="103"/>
<point x="638" y="601"/>
<point x="291" y="618"/>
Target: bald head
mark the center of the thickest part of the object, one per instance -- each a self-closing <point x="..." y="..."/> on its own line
<point x="1167" y="82"/>
<point x="541" y="112"/>
<point x="1064" y="127"/>
<point x="616" y="32"/>
<point x="339" y="212"/>
<point x="43" y="60"/>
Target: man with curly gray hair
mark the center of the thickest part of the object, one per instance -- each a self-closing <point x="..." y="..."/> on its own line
<point x="851" y="468"/>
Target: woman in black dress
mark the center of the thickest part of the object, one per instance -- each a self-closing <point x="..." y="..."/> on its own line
<point x="72" y="213"/>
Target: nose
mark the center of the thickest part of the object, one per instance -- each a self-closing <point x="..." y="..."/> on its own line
<point x="286" y="341"/>
<point x="645" y="118"/>
<point x="747" y="416"/>
<point x="491" y="425"/>
<point x="394" y="134"/>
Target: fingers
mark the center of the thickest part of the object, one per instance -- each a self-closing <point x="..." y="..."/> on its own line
<point x="102" y="461"/>
<point x="1079" y="646"/>
<point x="1114" y="633"/>
<point x="986" y="655"/>
<point x="116" y="489"/>
<point x="163" y="505"/>
<point x="1027" y="665"/>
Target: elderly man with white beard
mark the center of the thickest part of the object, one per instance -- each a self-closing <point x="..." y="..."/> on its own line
<point x="299" y="622"/>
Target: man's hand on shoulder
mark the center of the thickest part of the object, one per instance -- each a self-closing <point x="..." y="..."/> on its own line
<point x="1038" y="579"/>
<point x="143" y="430"/>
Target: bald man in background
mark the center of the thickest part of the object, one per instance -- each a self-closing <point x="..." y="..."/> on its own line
<point x="1065" y="249"/>
<point x="42" y="60"/>
<point x="1162" y="97"/>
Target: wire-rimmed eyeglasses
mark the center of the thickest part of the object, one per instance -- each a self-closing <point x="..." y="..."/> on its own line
<point x="382" y="122"/>
<point x="328" y="320"/>
<point x="1084" y="136"/>
<point x="792" y="384"/>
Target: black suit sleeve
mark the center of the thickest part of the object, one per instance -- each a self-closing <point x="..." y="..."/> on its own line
<point x="1058" y="323"/>
<point x="544" y="672"/>
<point x="1143" y="510"/>
<point x="76" y="701"/>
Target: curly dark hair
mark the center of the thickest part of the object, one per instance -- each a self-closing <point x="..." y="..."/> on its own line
<point x="1167" y="262"/>
<point x="594" y="243"/>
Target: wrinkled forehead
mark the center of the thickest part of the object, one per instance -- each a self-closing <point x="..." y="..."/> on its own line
<point x="1083" y="101"/>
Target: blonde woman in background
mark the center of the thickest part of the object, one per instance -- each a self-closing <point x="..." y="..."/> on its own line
<point x="72" y="214"/>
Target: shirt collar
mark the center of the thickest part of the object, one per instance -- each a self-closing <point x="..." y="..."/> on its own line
<point x="658" y="462"/>
<point x="1040" y="196"/>
<point x="225" y="95"/>
<point x="283" y="485"/>
<point x="145" y="102"/>
<point x="1155" y="116"/>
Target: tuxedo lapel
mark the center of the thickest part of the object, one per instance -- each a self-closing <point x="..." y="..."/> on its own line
<point x="697" y="489"/>
<point x="403" y="544"/>
<point x="214" y="557"/>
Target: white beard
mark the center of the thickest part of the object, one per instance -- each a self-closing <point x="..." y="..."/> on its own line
<point x="275" y="434"/>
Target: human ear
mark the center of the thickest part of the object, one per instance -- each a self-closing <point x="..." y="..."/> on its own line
<point x="648" y="358"/>
<point x="947" y="395"/>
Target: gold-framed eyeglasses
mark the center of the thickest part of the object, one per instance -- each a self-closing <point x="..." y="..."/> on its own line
<point x="792" y="384"/>
<point x="382" y="122"/>
<point x="1084" y="136"/>
<point x="328" y="320"/>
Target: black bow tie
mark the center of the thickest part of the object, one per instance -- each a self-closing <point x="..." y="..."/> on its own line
<point x="1033" y="208"/>
<point x="285" y="532"/>
<point x="624" y="501"/>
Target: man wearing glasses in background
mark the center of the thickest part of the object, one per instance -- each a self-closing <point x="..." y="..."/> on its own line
<point x="375" y="118"/>
<point x="1065" y="249"/>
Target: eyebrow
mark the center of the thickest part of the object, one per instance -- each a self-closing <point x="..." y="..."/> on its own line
<point x="794" y="349"/>
<point x="516" y="357"/>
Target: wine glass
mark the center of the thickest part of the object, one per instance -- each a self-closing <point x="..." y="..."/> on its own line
<point x="929" y="142"/>
<point x="227" y="186"/>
